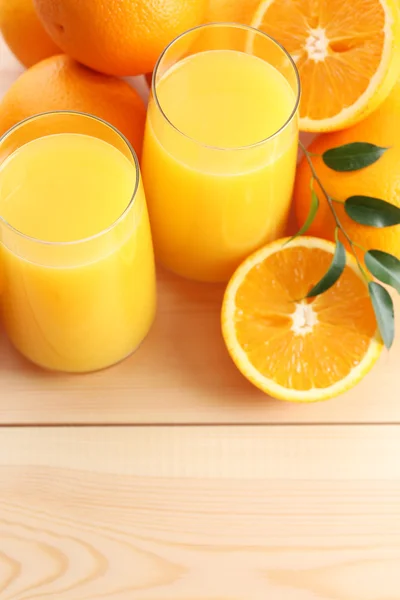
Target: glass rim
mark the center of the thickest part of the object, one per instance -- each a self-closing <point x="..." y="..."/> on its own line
<point x="99" y="234"/>
<point x="250" y="30"/>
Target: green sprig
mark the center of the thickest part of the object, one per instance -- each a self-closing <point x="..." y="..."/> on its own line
<point x="364" y="210"/>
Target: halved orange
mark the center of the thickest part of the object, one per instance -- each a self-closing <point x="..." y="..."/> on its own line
<point x="347" y="53"/>
<point x="292" y="348"/>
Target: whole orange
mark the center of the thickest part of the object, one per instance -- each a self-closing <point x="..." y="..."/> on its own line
<point x="118" y="37"/>
<point x="60" y="83"/>
<point x="236" y="11"/>
<point x="380" y="180"/>
<point x="24" y="33"/>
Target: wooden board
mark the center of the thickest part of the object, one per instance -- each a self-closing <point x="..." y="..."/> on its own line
<point x="181" y="374"/>
<point x="285" y="513"/>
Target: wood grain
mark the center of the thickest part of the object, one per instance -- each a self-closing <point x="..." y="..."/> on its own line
<point x="289" y="513"/>
<point x="181" y="374"/>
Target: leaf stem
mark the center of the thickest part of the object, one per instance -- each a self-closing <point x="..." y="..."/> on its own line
<point x="362" y="270"/>
<point x="327" y="196"/>
<point x="357" y="245"/>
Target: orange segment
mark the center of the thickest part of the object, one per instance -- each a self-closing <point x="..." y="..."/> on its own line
<point x="293" y="348"/>
<point x="347" y="54"/>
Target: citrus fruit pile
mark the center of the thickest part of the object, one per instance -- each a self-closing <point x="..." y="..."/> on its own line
<point x="289" y="345"/>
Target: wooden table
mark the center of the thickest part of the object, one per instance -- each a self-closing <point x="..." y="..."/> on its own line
<point x="169" y="477"/>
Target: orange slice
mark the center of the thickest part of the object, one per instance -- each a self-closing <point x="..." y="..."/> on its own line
<point x="347" y="53"/>
<point x="295" y="349"/>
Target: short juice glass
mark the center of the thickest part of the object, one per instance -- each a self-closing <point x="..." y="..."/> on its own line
<point x="220" y="148"/>
<point x="77" y="274"/>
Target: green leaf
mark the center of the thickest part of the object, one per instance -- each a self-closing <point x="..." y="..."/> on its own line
<point x="384" y="267"/>
<point x="310" y="217"/>
<point x="372" y="211"/>
<point x="332" y="275"/>
<point x="384" y="312"/>
<point x="352" y="157"/>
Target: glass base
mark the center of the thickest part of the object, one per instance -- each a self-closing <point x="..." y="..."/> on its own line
<point x="83" y="372"/>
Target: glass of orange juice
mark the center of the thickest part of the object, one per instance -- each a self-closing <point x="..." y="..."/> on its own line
<point x="220" y="148"/>
<point x="77" y="266"/>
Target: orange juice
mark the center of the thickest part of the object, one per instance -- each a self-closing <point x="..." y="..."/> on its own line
<point x="79" y="283"/>
<point x="217" y="179"/>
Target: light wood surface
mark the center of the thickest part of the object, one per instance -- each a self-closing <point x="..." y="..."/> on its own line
<point x="181" y="374"/>
<point x="244" y="513"/>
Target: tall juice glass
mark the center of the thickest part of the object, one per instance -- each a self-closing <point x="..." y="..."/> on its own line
<point x="78" y="279"/>
<point x="220" y="148"/>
